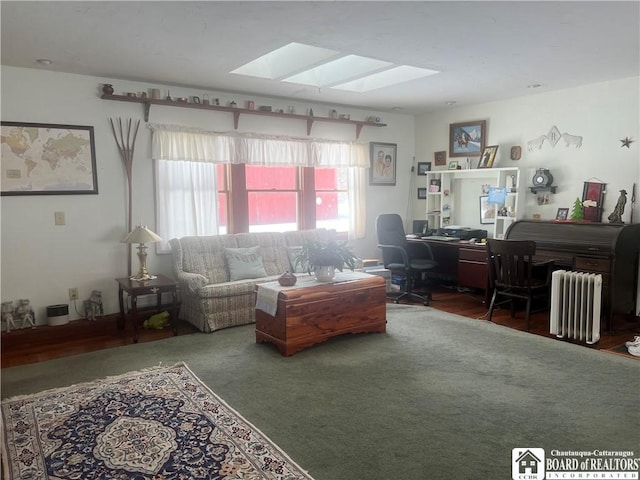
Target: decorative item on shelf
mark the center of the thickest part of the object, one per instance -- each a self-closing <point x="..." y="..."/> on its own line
<point x="205" y="99"/>
<point x="7" y="316"/>
<point x="216" y="101"/>
<point x="265" y="108"/>
<point x="142" y="235"/>
<point x="542" y="181"/>
<point x="488" y="156"/>
<point x="107" y="89"/>
<point x="291" y="109"/>
<point x="324" y="257"/>
<point x="93" y="305"/>
<point x="24" y="313"/>
<point x="434" y="185"/>
<point x="577" y="211"/>
<point x="155" y="93"/>
<point x="513" y="183"/>
<point x="311" y="112"/>
<point x="132" y="94"/>
<point x="345" y="116"/>
<point x="287" y="279"/>
<point x="453" y="165"/>
<point x="195" y="99"/>
<point x="182" y="99"/>
<point x="562" y="214"/>
<point x="251" y="105"/>
<point x="333" y="113"/>
<point x="618" y="211"/>
<point x="168" y="97"/>
<point x="232" y="104"/>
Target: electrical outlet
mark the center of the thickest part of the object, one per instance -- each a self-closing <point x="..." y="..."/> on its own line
<point x="73" y="294"/>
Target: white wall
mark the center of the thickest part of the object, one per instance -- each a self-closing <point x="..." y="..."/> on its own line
<point x="40" y="261"/>
<point x="602" y="114"/>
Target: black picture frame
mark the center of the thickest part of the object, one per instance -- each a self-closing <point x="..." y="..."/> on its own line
<point x="422" y="193"/>
<point x="562" y="214"/>
<point x="383" y="159"/>
<point x="424" y="167"/>
<point x="47" y="159"/>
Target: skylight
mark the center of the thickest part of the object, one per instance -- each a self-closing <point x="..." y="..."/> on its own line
<point x="401" y="74"/>
<point x="321" y="67"/>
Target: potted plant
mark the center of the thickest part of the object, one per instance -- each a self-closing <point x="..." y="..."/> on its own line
<point x="324" y="257"/>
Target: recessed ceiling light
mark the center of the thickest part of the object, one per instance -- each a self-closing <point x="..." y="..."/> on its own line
<point x="44" y="61"/>
<point x="451" y="102"/>
<point x="534" y="85"/>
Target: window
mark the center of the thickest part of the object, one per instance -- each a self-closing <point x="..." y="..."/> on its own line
<point x="209" y="183"/>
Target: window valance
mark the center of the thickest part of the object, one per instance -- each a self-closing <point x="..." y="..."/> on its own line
<point x="173" y="142"/>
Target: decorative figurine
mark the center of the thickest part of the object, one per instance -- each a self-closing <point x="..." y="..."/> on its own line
<point x="25" y="314"/>
<point x="93" y="306"/>
<point x="616" y="215"/>
<point x="7" y="315"/>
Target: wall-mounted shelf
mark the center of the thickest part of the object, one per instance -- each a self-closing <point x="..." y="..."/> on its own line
<point x="147" y="102"/>
<point x="543" y="189"/>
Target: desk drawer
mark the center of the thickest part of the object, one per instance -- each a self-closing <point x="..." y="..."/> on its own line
<point x="473" y="254"/>
<point x="596" y="265"/>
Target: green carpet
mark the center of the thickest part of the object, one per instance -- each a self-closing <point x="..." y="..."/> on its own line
<point x="437" y="397"/>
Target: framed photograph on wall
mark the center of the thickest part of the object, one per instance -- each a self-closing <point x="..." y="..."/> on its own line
<point x="487" y="210"/>
<point x="467" y="139"/>
<point x="424" y="167"/>
<point x="440" y="158"/>
<point x="47" y="159"/>
<point x="422" y="193"/>
<point x="382" y="170"/>
<point x="488" y="156"/>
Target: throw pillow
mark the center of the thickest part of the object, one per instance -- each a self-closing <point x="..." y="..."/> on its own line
<point x="245" y="263"/>
<point x="293" y="253"/>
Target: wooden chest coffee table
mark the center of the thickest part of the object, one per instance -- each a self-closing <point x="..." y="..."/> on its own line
<point x="310" y="314"/>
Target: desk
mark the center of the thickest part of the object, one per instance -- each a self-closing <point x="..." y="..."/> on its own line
<point x="460" y="262"/>
<point x="136" y="288"/>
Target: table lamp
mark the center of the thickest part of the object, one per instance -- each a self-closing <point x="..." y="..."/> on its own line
<point x="141" y="235"/>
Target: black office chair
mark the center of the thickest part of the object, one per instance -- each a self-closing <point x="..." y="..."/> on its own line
<point x="514" y="275"/>
<point x="398" y="255"/>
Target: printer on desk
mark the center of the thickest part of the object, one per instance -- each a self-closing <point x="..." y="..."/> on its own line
<point x="463" y="233"/>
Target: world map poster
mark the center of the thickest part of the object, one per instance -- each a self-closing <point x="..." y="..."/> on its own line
<point x="41" y="159"/>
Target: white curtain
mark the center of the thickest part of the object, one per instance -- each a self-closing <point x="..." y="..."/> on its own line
<point x="192" y="207"/>
<point x="186" y="200"/>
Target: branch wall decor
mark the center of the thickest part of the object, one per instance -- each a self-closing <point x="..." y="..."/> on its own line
<point x="125" y="147"/>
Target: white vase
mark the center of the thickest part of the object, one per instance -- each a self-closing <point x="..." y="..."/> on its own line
<point x="325" y="274"/>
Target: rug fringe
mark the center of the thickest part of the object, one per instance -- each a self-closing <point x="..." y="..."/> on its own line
<point x="160" y="366"/>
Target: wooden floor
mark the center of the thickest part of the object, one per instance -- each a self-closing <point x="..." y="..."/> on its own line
<point x="45" y="343"/>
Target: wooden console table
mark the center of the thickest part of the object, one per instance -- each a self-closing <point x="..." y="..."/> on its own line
<point x="135" y="289"/>
<point x="311" y="314"/>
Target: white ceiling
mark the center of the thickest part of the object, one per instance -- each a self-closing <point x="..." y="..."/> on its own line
<point x="486" y="51"/>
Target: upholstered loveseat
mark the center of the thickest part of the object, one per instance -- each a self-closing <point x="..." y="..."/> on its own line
<point x="218" y="274"/>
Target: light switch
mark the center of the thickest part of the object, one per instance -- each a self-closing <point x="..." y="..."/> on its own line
<point x="59" y="218"/>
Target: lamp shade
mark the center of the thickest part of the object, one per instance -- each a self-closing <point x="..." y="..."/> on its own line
<point x="141" y="234"/>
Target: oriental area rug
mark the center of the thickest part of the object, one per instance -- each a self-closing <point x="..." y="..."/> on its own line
<point x="157" y="424"/>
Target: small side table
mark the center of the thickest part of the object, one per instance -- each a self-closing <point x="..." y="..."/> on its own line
<point x="135" y="288"/>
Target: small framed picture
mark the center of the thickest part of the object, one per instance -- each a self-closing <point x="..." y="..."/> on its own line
<point x="422" y="193"/>
<point x="424" y="167"/>
<point x="453" y="165"/>
<point x="487" y="210"/>
<point x="434" y="186"/>
<point x="562" y="214"/>
<point x="488" y="156"/>
<point x="440" y="158"/>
